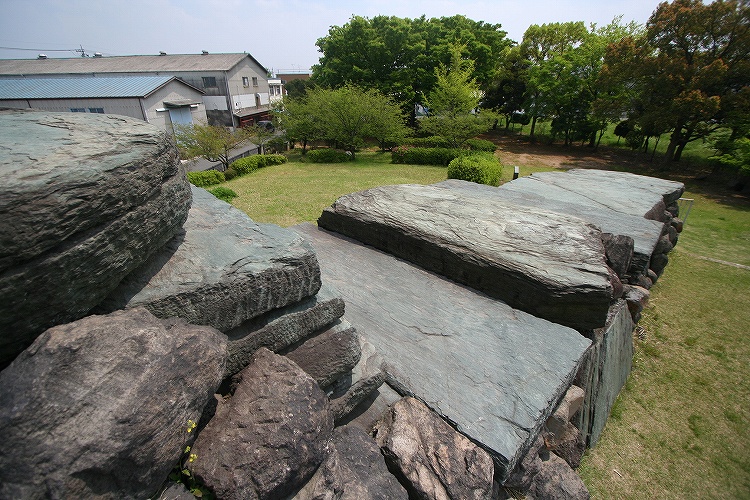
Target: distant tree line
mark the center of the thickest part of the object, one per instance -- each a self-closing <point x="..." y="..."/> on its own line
<point x="685" y="73"/>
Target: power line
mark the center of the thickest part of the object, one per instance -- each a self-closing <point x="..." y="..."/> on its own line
<point x="42" y="50"/>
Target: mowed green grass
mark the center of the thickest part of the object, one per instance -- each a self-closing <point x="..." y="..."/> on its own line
<point x="681" y="426"/>
<point x="297" y="192"/>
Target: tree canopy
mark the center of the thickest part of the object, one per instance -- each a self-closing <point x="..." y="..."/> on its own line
<point x="346" y="117"/>
<point x="688" y="71"/>
<point x="398" y="56"/>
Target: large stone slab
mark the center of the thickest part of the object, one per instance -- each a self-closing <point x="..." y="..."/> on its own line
<point x="99" y="408"/>
<point x="530" y="191"/>
<point x="547" y="264"/>
<point x="622" y="192"/>
<point x="495" y="372"/>
<point x="605" y="371"/>
<point x="85" y="199"/>
<point x="223" y="270"/>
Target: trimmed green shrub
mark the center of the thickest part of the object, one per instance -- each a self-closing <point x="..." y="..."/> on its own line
<point x="425" y="156"/>
<point x="275" y="159"/>
<point x="328" y="155"/>
<point x="230" y="174"/>
<point x="480" y="145"/>
<point x="429" y="142"/>
<point x="223" y="193"/>
<point x="479" y="168"/>
<point x="244" y="166"/>
<point x="205" y="178"/>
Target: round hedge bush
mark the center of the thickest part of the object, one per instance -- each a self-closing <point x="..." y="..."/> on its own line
<point x="205" y="178"/>
<point x="482" y="169"/>
<point x="327" y="155"/>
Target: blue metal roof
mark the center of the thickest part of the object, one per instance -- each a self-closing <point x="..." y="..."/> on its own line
<point x="80" y="87"/>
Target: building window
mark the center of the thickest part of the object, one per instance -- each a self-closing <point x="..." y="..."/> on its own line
<point x="255" y="81"/>
<point x="77" y="110"/>
<point x="245" y="81"/>
<point x="209" y="81"/>
<point x="96" y="110"/>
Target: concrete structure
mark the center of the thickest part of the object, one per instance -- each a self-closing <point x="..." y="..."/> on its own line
<point x="163" y="101"/>
<point x="235" y="86"/>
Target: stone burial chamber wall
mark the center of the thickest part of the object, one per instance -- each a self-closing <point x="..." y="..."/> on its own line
<point x="149" y="327"/>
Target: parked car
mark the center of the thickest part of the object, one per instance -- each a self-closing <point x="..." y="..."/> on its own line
<point x="266" y="124"/>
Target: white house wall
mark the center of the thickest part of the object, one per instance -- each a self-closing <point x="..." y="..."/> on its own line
<point x="212" y="102"/>
<point x="173" y="91"/>
<point x="114" y="106"/>
<point x="244" y="97"/>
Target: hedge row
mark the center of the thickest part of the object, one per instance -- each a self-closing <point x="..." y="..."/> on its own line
<point x="328" y="155"/>
<point x="248" y="164"/>
<point x="425" y="156"/>
<point x="206" y="178"/>
<point x="434" y="141"/>
<point x="481" y="168"/>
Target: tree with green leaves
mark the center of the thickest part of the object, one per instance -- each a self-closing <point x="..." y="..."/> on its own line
<point x="346" y="116"/>
<point x="453" y="103"/>
<point x="208" y="141"/>
<point x="686" y="69"/>
<point x="398" y="56"/>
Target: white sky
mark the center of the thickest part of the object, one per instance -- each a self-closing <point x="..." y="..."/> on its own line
<point x="280" y="34"/>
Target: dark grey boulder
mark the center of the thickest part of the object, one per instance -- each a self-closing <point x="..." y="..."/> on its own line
<point x="371" y="409"/>
<point x="278" y="329"/>
<point x="557" y="481"/>
<point x="605" y="371"/>
<point x="85" y="199"/>
<point x="543" y="263"/>
<point x="328" y="354"/>
<point x="354" y="469"/>
<point x="269" y="438"/>
<point x="450" y="346"/>
<point x="347" y="392"/>
<point x="101" y="407"/>
<point x="222" y="271"/>
<point x="433" y="460"/>
<point x="619" y="251"/>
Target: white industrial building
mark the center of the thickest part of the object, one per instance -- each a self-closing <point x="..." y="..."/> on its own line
<point x="163" y="101"/>
<point x="234" y="87"/>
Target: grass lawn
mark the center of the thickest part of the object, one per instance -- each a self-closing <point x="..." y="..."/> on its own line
<point x="681" y="427"/>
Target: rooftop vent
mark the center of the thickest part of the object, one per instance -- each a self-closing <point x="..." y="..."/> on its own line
<point x="162" y="53"/>
<point x="204" y="52"/>
<point x="97" y="54"/>
<point x="42" y="56"/>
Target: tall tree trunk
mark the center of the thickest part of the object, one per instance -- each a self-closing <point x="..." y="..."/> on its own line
<point x="674" y="140"/>
<point x="684" y="139"/>
<point x="533" y="127"/>
<point x="653" y="153"/>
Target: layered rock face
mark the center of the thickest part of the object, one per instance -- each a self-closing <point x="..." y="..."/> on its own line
<point x="426" y="389"/>
<point x="84" y="201"/>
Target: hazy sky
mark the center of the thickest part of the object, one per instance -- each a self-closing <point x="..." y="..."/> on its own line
<point x="280" y="34"/>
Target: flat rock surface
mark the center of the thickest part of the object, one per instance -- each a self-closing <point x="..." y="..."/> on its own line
<point x="622" y="192"/>
<point x="562" y="197"/>
<point x="223" y="270"/>
<point x="494" y="371"/>
<point x="85" y="199"/>
<point x="547" y="264"/>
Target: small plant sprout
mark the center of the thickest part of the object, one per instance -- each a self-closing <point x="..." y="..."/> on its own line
<point x="190" y="426"/>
